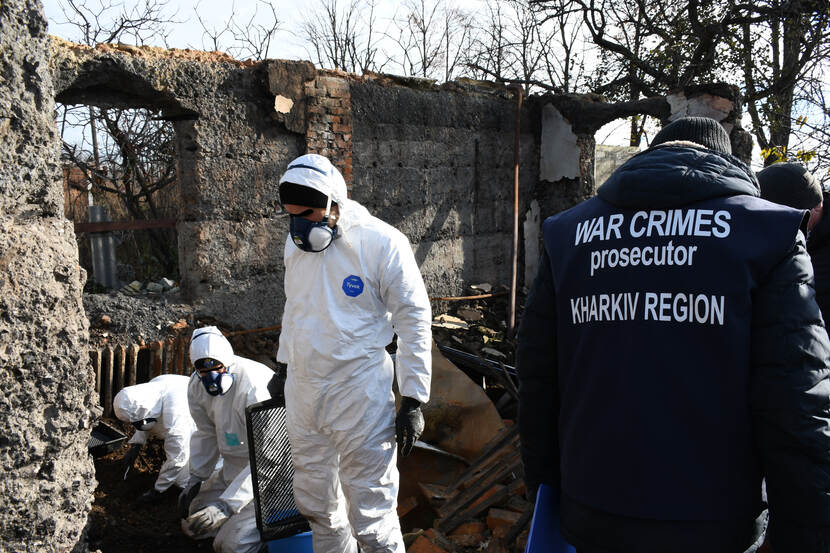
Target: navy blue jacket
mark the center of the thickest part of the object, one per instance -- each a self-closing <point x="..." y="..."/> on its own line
<point x="674" y="325"/>
<point x="818" y="246"/>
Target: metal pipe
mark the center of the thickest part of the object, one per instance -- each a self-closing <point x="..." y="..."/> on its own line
<point x="511" y="306"/>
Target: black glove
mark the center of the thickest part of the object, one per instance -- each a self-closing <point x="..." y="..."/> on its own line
<point x="186" y="498"/>
<point x="150" y="497"/>
<point x="408" y="425"/>
<point x="276" y="387"/>
<point x="129" y="458"/>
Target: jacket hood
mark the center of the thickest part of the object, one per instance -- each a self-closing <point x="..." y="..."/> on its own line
<point x="142" y="401"/>
<point x="209" y="341"/>
<point x="675" y="174"/>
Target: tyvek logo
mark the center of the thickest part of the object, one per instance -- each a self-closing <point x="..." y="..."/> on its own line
<point x="352" y="286"/>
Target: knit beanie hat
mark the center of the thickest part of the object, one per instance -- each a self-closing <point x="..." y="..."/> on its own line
<point x="701" y="130"/>
<point x="297" y="194"/>
<point x="790" y="184"/>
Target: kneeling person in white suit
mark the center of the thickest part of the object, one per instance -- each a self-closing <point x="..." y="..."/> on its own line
<point x="159" y="408"/>
<point x="218" y="501"/>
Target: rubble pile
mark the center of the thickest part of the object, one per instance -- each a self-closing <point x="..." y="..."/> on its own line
<point x="119" y="319"/>
<point x="484" y="509"/>
<point x="476" y="325"/>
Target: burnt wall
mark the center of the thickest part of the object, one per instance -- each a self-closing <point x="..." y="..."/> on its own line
<point x="232" y="146"/>
<point x="45" y="404"/>
<point x="438" y="165"/>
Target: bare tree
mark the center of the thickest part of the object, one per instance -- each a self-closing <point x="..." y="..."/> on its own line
<point x="250" y="40"/>
<point x="431" y="38"/>
<point x="343" y="35"/>
<point x="514" y="45"/>
<point x="112" y="21"/>
<point x="126" y="155"/>
<point x="785" y="52"/>
<point x="137" y="167"/>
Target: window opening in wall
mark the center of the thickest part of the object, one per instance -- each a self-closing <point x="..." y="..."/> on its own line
<point x="122" y="192"/>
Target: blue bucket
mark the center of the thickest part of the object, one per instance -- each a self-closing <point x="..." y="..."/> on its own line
<point x="545" y="533"/>
<point x="299" y="543"/>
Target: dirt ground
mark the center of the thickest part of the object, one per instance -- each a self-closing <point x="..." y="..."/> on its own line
<point x="118" y="522"/>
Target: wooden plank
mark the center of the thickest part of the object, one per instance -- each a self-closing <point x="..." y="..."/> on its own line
<point x="181" y="366"/>
<point x="156" y="358"/>
<point x="482" y="482"/>
<point x="501" y="441"/>
<point x="107" y="381"/>
<point x="109" y="226"/>
<point x="132" y="364"/>
<point x="120" y="362"/>
<point x="482" y="503"/>
<point x="95" y="359"/>
<point x="170" y="356"/>
<point x="471" y="495"/>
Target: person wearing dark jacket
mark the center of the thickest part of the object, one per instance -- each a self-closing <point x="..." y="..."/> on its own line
<point x="818" y="246"/>
<point x="793" y="185"/>
<point x="671" y="356"/>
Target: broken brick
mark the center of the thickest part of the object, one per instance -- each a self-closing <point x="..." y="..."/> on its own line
<point x="469" y="534"/>
<point x="501" y="517"/>
<point x="423" y="545"/>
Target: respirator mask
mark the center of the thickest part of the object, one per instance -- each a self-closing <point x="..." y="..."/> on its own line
<point x="311" y="236"/>
<point x="217" y="381"/>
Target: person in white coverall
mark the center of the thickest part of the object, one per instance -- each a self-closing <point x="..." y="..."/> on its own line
<point x="351" y="282"/>
<point x="159" y="408"/>
<point x="218" y="501"/>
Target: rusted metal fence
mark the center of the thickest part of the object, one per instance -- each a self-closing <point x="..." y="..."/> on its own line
<point x="120" y="366"/>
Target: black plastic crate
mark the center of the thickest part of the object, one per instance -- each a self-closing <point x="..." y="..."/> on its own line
<point x="104" y="439"/>
<point x="272" y="472"/>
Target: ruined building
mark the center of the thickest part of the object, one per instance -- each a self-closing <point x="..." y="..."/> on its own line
<point x="434" y="161"/>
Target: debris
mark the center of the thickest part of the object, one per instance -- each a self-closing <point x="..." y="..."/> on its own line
<point x="105" y="320"/>
<point x="155" y="288"/>
<point x="448" y="321"/>
<point x="423" y="545"/>
<point x="501" y="518"/>
<point x="483" y="287"/>
<point x="470" y="315"/>
<point x="132" y="288"/>
<point x="181" y="324"/>
<point x="167" y="284"/>
<point x="469" y="534"/>
<point x="493" y="353"/>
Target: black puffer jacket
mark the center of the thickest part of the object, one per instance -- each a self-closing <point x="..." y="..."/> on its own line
<point x="786" y="395"/>
<point x="818" y="245"/>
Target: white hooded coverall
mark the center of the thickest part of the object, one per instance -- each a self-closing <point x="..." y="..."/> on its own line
<point x="343" y="305"/>
<point x="164" y="398"/>
<point x="221" y="431"/>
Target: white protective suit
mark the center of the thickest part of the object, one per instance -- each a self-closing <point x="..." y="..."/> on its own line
<point x="164" y="398"/>
<point x="221" y="431"/>
<point x="343" y="305"/>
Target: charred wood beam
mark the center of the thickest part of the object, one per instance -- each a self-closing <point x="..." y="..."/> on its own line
<point x="587" y="113"/>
